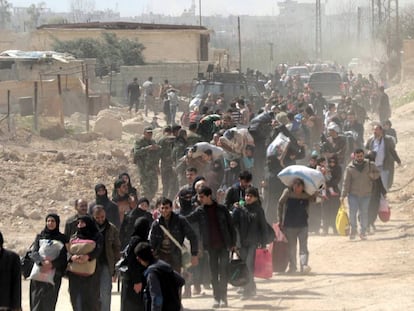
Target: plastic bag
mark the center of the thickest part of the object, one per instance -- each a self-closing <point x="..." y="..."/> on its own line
<point x="313" y="179"/>
<point x="278" y="146"/>
<point x="384" y="211"/>
<point x="48" y="250"/>
<point x="42" y="276"/>
<point x="342" y="221"/>
<point x="263" y="265"/>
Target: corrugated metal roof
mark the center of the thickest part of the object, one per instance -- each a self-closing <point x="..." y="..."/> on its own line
<point x="121" y="25"/>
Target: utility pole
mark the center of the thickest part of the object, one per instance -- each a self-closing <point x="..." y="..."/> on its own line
<point x="199" y="11"/>
<point x="318" y="30"/>
<point x="240" y="51"/>
<point x="359" y="15"/>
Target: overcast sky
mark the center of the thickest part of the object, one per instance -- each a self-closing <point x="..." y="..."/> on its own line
<point x="176" y="7"/>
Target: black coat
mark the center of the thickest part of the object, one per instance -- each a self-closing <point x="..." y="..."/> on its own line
<point x="250" y="222"/>
<point x="225" y="221"/>
<point x="127" y="227"/>
<point x="10" y="280"/>
<point x="179" y="229"/>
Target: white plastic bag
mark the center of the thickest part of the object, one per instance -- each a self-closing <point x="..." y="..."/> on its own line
<point x="313" y="179"/>
<point x="48" y="250"/>
<point x="278" y="146"/>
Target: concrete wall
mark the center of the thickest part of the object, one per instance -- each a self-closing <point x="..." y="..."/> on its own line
<point x="180" y="75"/>
<point x="160" y="45"/>
<point x="50" y="102"/>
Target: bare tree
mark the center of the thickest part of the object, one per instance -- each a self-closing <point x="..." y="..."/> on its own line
<point x="81" y="8"/>
<point x="5" y="13"/>
<point x="34" y="12"/>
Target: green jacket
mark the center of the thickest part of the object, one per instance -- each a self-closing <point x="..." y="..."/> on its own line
<point x="146" y="158"/>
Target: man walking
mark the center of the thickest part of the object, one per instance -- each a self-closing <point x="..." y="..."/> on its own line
<point x="384" y="108"/>
<point x="110" y="254"/>
<point x="134" y="94"/>
<point x="147" y="155"/>
<point x="384" y="148"/>
<point x="219" y="237"/>
<point x="149" y="102"/>
<point x="357" y="186"/>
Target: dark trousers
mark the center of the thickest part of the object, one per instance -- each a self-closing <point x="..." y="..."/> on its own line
<point x="248" y="254"/>
<point x="43" y="296"/>
<point x="84" y="292"/>
<point x="134" y="102"/>
<point x="219" y="261"/>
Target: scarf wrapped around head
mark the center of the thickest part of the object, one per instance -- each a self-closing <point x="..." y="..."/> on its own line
<point x="89" y="231"/>
<point x="50" y="234"/>
<point x="101" y="199"/>
<point x="141" y="228"/>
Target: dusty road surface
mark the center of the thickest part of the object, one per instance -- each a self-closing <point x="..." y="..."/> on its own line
<point x="39" y="176"/>
<point x="376" y="274"/>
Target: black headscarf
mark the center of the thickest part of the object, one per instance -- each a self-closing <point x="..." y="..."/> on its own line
<point x="54" y="234"/>
<point x="184" y="197"/>
<point x="47" y="233"/>
<point x="131" y="190"/>
<point x="101" y="199"/>
<point x="89" y="231"/>
<point x="141" y="228"/>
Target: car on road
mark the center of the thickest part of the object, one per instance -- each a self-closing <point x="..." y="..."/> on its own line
<point x="328" y="83"/>
<point x="293" y="71"/>
<point x="232" y="85"/>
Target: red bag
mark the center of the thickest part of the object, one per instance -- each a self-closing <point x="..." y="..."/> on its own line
<point x="263" y="267"/>
<point x="279" y="251"/>
<point x="384" y="211"/>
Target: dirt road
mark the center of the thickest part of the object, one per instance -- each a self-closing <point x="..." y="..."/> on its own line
<point x="376" y="274"/>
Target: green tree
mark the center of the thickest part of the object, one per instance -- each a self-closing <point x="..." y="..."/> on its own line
<point x="110" y="52"/>
<point x="5" y="13"/>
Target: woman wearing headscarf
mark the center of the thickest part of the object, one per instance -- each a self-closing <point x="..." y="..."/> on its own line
<point x="125" y="177"/>
<point x="44" y="295"/>
<point x="133" y="277"/>
<point x="82" y="271"/>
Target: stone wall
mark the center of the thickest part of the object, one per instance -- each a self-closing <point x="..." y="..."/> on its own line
<point x="180" y="75"/>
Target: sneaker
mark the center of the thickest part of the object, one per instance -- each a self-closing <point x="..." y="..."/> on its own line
<point x="197" y="289"/>
<point x="224" y="303"/>
<point x="306" y="269"/>
<point x="363" y="236"/>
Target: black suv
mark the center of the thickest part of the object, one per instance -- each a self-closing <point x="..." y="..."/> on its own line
<point x="232" y="85"/>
